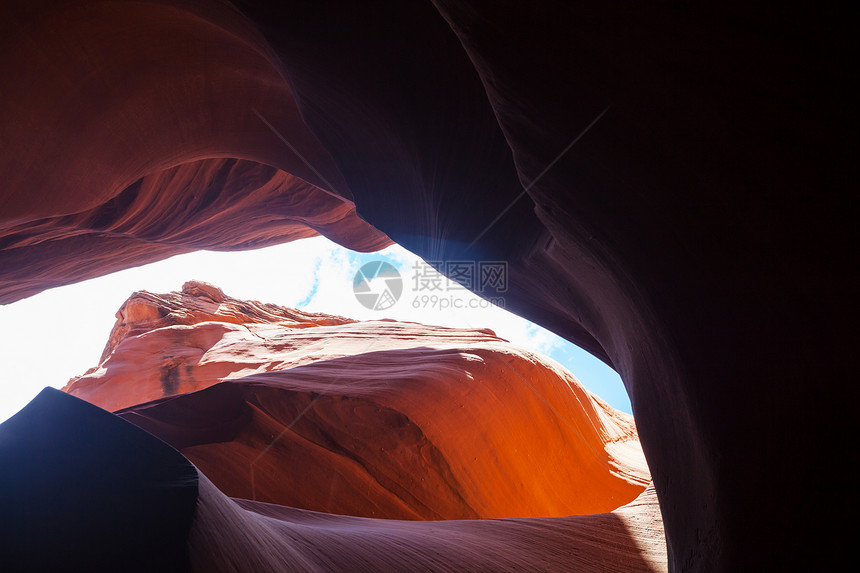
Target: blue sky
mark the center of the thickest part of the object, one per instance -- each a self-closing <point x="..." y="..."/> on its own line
<point x="60" y="333"/>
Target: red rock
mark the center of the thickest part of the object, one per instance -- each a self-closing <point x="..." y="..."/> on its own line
<point x="697" y="237"/>
<point x="376" y="418"/>
<point x="124" y="480"/>
<point x="216" y="204"/>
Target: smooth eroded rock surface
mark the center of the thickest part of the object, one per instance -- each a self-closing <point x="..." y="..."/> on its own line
<point x="376" y="419"/>
<point x="234" y="534"/>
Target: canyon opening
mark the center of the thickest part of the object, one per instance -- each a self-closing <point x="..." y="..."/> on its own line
<point x="664" y="186"/>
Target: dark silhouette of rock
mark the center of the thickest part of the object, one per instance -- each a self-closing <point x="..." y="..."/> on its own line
<point x="82" y="490"/>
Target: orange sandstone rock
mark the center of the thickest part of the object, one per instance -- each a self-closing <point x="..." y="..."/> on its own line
<point x="376" y="419"/>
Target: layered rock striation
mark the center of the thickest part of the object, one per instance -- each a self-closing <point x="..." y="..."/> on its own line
<point x="375" y="419"/>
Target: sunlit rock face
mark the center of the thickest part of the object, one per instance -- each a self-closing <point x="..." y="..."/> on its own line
<point x="376" y="419"/>
<point x="179" y="342"/>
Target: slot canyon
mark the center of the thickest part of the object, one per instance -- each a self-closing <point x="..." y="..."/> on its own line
<point x="667" y="185"/>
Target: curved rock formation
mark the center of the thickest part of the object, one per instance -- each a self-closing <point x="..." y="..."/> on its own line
<point x="110" y="201"/>
<point x="376" y="419"/>
<point x="102" y="495"/>
<point x="241" y="535"/>
<point x="175" y="359"/>
<point x="668" y="185"/>
<point x="215" y="204"/>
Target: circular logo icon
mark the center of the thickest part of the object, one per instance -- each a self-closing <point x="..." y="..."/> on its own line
<point x="377" y="285"/>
